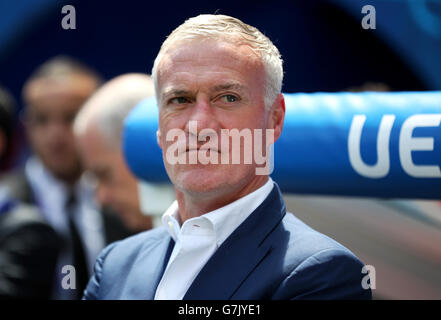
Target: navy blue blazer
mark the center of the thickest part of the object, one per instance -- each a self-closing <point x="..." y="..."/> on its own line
<point x="271" y="255"/>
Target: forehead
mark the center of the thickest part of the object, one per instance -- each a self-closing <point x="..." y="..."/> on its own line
<point x="95" y="146"/>
<point x="59" y="94"/>
<point x="207" y="60"/>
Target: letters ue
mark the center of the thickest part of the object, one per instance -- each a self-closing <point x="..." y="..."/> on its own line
<point x="406" y="145"/>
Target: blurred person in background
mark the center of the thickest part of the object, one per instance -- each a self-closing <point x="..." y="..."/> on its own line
<point x="52" y="178"/>
<point x="98" y="128"/>
<point x="28" y="245"/>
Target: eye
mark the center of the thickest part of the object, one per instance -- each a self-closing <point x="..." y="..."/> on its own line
<point x="39" y="120"/>
<point x="229" y="98"/>
<point x="178" y="100"/>
<point x="69" y="118"/>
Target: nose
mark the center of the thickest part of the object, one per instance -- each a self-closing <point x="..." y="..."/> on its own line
<point x="203" y="114"/>
<point x="58" y="130"/>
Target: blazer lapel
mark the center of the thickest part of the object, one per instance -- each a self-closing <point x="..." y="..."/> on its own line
<point x="150" y="265"/>
<point x="239" y="255"/>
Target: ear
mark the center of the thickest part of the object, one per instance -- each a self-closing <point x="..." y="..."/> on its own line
<point x="277" y="116"/>
<point x="158" y="138"/>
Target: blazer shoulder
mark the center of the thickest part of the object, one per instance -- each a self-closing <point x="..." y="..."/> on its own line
<point x="128" y="248"/>
<point x="117" y="261"/>
<point x="318" y="267"/>
<point x="24" y="217"/>
<point x="18" y="186"/>
<point x="307" y="241"/>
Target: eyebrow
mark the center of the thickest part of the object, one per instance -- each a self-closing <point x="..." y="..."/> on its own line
<point x="217" y="88"/>
<point x="175" y="92"/>
<point x="228" y="86"/>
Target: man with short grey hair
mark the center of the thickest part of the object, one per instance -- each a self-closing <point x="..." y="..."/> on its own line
<point x="227" y="236"/>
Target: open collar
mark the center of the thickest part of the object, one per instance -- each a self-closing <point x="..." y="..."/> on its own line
<point x="240" y="253"/>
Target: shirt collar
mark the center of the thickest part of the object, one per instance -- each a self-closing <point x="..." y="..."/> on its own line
<point x="170" y="219"/>
<point x="44" y="181"/>
<point x="223" y="220"/>
<point x="41" y="178"/>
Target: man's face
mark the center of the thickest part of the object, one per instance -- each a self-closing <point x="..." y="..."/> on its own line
<point x="116" y="186"/>
<point x="52" y="106"/>
<point x="220" y="86"/>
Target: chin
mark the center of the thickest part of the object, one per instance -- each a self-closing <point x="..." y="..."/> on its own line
<point x="206" y="180"/>
<point x="66" y="172"/>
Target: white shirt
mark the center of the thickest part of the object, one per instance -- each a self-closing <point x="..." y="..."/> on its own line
<point x="198" y="239"/>
<point x="50" y="194"/>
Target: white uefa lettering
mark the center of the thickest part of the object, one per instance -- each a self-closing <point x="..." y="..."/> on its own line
<point x="381" y="168"/>
<point x="407" y="145"/>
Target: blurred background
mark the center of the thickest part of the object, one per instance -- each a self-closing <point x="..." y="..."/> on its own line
<point x="324" y="49"/>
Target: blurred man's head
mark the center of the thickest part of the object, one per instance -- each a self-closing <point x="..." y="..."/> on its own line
<point x="53" y="95"/>
<point x="7" y="106"/>
<point x="98" y="129"/>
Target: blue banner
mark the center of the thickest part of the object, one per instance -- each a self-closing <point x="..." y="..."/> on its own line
<point x="357" y="144"/>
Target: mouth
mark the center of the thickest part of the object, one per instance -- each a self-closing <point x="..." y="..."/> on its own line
<point x="188" y="149"/>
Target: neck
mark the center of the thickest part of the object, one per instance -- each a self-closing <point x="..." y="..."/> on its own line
<point x="70" y="182"/>
<point x="194" y="205"/>
<point x="69" y="179"/>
